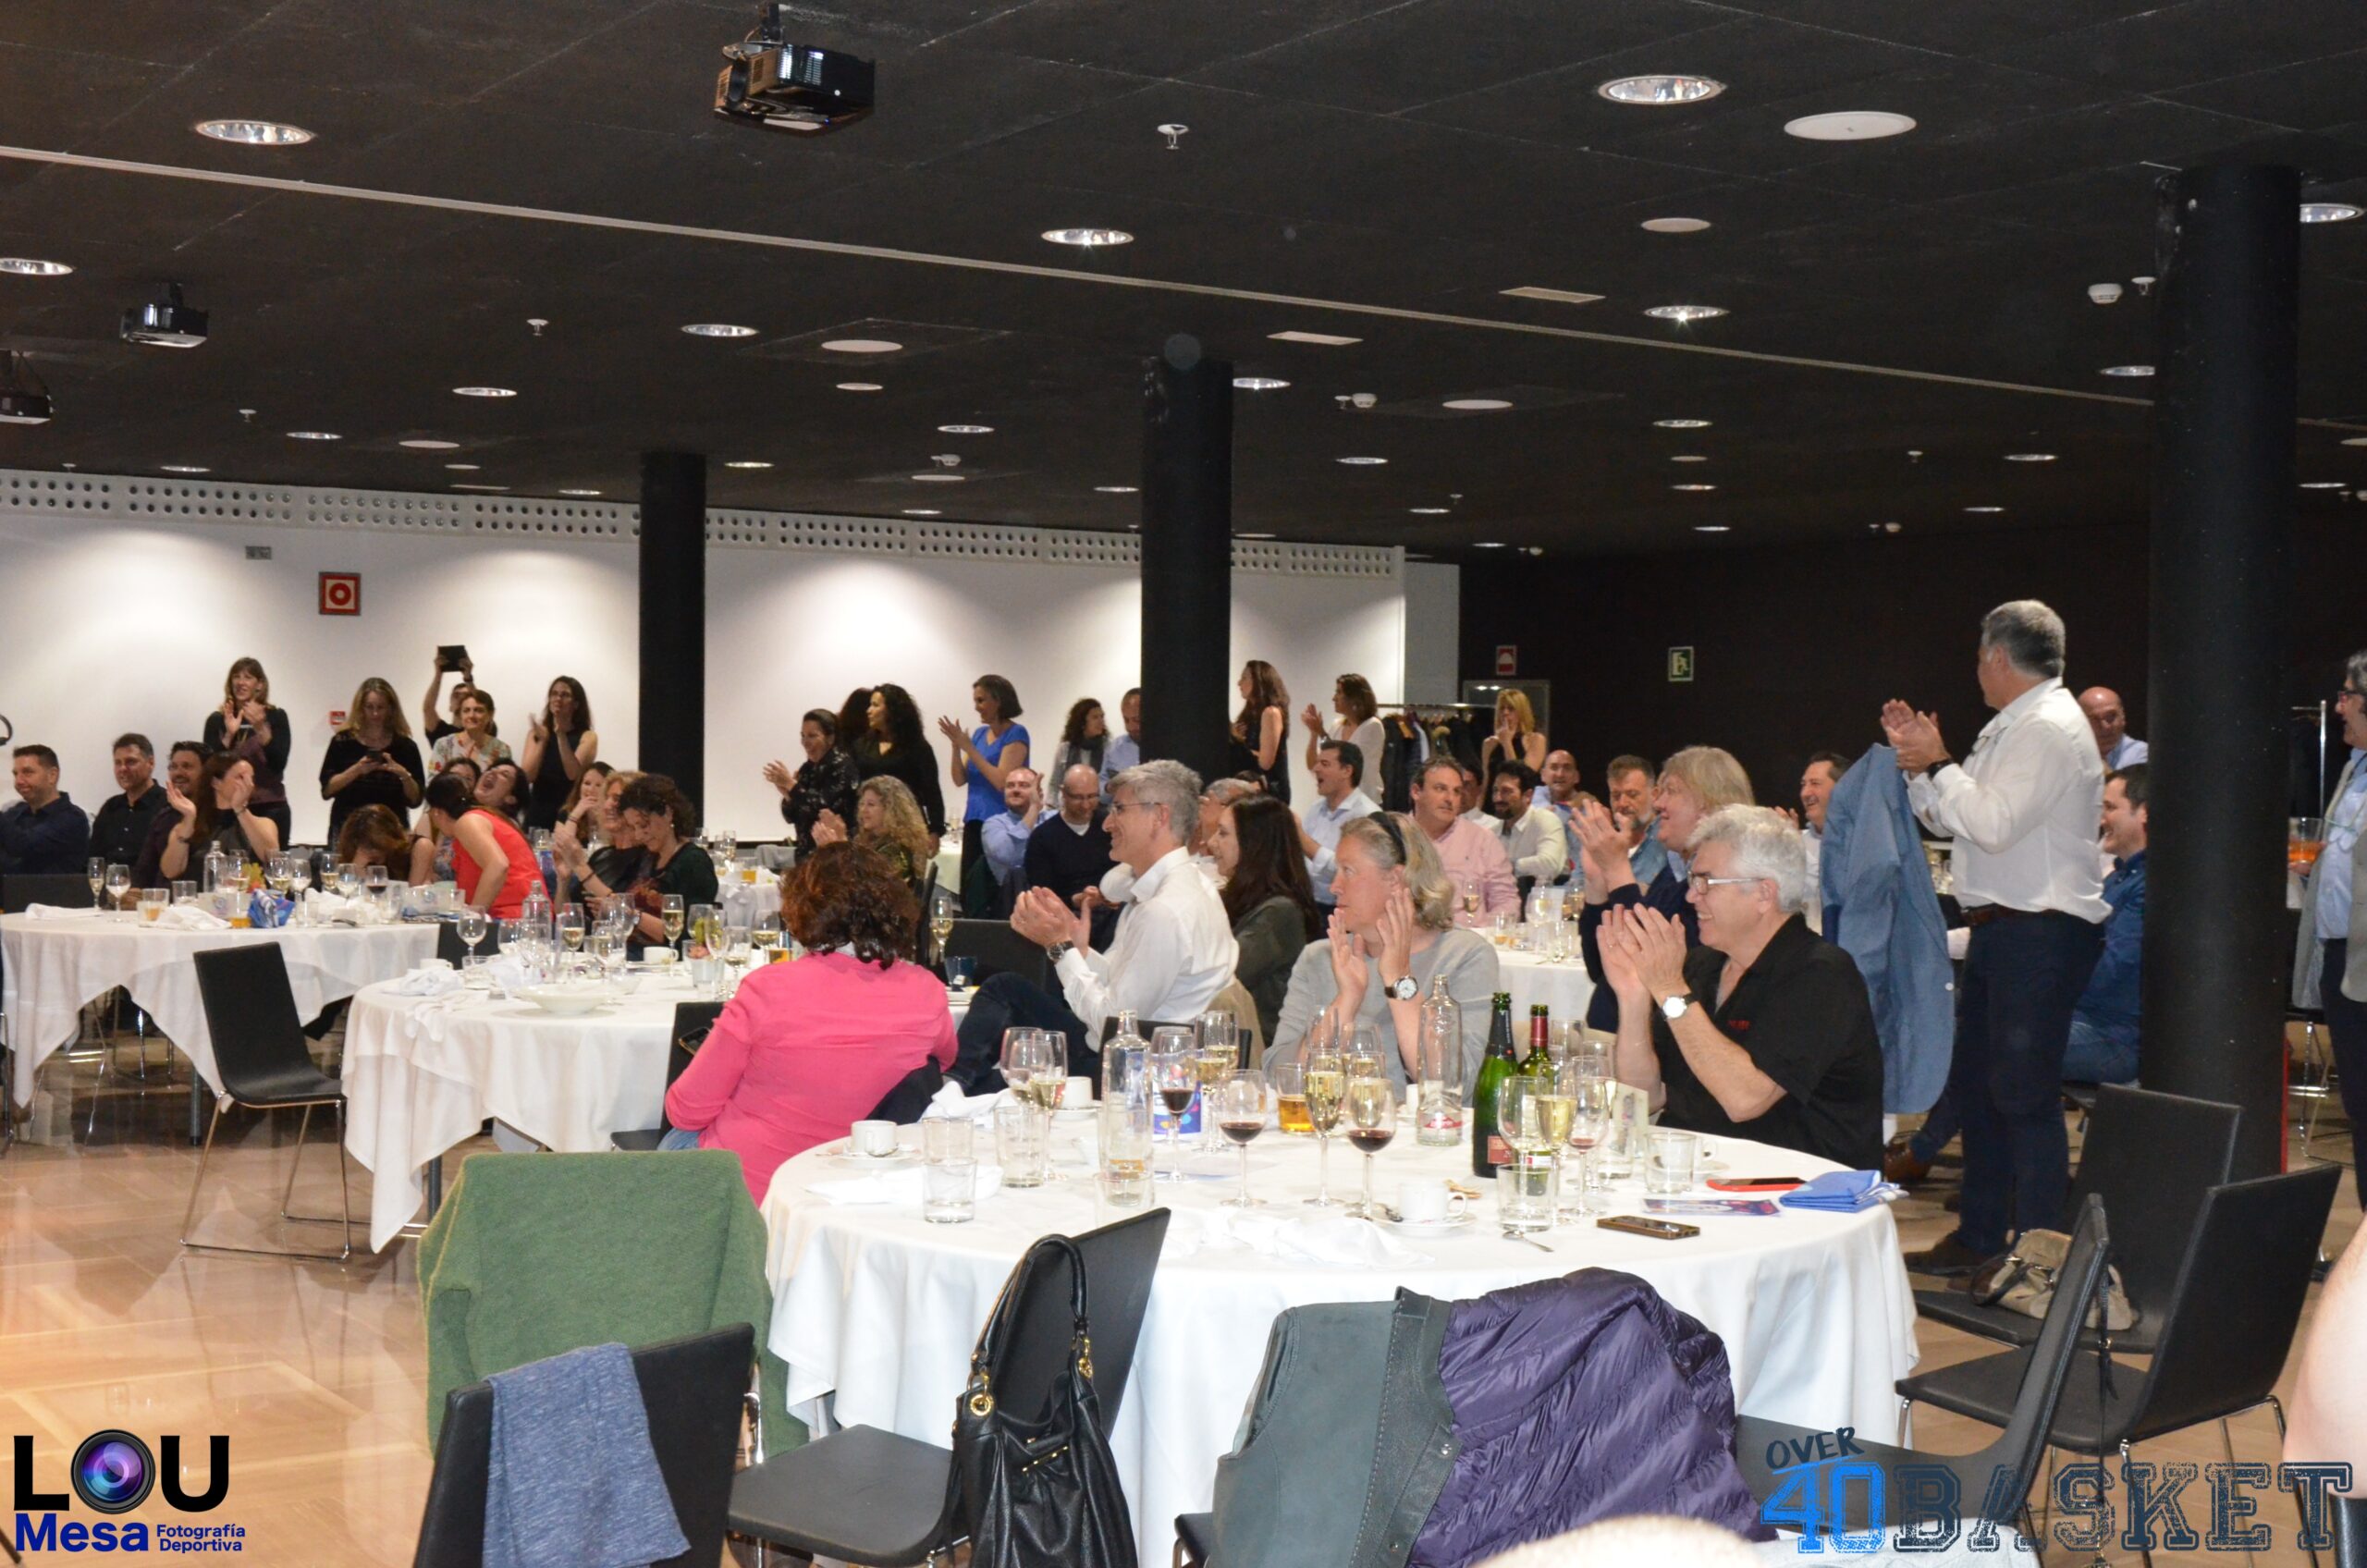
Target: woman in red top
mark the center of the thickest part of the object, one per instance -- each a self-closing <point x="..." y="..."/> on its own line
<point x="807" y="1048"/>
<point x="491" y="859"/>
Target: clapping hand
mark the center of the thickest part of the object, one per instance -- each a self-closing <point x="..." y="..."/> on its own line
<point x="952" y="733"/>
<point x="253" y="714"/>
<point x="538" y="731"/>
<point x="567" y="846"/>
<point x="830" y="828"/>
<point x="1396" y="934"/>
<point x="1347" y="963"/>
<point x="1313" y="720"/>
<point x="777" y="774"/>
<point x="179" y="801"/>
<point x="1915" y="736"/>
<point x="239" y="790"/>
<point x="1602" y="845"/>
<point x="1041" y="918"/>
<point x="1657" y="942"/>
<point x="1617" y="945"/>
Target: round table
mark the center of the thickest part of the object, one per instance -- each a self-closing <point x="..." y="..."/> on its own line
<point x="1563" y="988"/>
<point x="880" y="1309"/>
<point x="56" y="964"/>
<point x="421" y="1075"/>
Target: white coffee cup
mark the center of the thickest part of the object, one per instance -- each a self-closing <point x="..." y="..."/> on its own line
<point x="1428" y="1202"/>
<point x="1078" y="1096"/>
<point x="875" y="1139"/>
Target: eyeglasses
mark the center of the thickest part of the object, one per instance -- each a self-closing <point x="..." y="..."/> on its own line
<point x="1701" y="881"/>
<point x="2349" y="691"/>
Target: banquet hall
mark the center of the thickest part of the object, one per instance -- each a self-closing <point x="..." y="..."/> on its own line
<point x="745" y="736"/>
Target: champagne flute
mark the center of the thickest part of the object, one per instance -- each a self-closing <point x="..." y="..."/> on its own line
<point x="941" y="926"/>
<point x="1240" y="1102"/>
<point x="1213" y="1063"/>
<point x="97" y="872"/>
<point x="1372" y="1123"/>
<point x="1327" y="1086"/>
<point x="670" y="915"/>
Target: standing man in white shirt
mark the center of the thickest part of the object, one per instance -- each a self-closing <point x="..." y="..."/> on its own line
<point x="1172" y="953"/>
<point x="2022" y="807"/>
<point x="1339" y="800"/>
<point x="2108" y="721"/>
<point x="1531" y="835"/>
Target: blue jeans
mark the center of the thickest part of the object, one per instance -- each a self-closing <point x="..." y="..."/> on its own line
<point x="2094" y="1057"/>
<point x="2022" y="976"/>
<point x="679" y="1138"/>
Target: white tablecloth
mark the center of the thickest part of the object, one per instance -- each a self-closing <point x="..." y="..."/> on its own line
<point x="53" y="966"/>
<point x="1563" y="987"/>
<point x="882" y="1308"/>
<point x="421" y="1077"/>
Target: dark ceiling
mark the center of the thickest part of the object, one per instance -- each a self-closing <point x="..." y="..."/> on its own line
<point x="1416" y="156"/>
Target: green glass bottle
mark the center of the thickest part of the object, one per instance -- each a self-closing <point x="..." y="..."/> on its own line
<point x="1539" y="1064"/>
<point x="1488" y="1148"/>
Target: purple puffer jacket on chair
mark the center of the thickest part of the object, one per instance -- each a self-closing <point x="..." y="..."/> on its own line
<point x="1579" y="1399"/>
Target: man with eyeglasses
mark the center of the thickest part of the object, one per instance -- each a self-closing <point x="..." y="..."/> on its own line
<point x="1069" y="851"/>
<point x="2330" y="956"/>
<point x="1764" y="1031"/>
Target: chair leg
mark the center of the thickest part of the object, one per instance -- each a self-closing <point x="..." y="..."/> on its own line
<point x="303" y="1125"/>
<point x="345" y="1237"/>
<point x="194" y="1187"/>
<point x="2227" y="1441"/>
<point x="2277" y="1408"/>
<point x="2144" y="1555"/>
<point x="1906" y="1419"/>
<point x="345" y="1218"/>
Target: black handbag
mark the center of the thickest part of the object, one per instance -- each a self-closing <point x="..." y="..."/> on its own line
<point x="1039" y="1492"/>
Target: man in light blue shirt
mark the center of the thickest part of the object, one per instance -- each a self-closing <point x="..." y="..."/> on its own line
<point x="2110" y="722"/>
<point x="1005" y="834"/>
<point x="2330" y="948"/>
<point x="1560" y="792"/>
<point x="1339" y="800"/>
<point x="1123" y="751"/>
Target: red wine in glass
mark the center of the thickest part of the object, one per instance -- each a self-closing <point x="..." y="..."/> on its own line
<point x="1371" y="1140"/>
<point x="1241" y="1132"/>
<point x="1178" y="1100"/>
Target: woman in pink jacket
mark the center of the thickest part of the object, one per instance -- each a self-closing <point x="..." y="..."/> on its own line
<point x="809" y="1048"/>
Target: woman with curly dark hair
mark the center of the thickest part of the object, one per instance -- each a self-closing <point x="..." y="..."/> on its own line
<point x="807" y="1048"/>
<point x="891" y="741"/>
<point x="1084" y="738"/>
<point x="375" y="836"/>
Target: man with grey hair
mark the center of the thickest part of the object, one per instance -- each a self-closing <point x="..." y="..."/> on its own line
<point x="1172" y="953"/>
<point x="1764" y="1031"/>
<point x="2022" y="808"/>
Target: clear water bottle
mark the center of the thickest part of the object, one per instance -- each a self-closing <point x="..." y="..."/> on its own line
<point x="1125" y="1059"/>
<point x="217" y="867"/>
<point x="1439" y="1104"/>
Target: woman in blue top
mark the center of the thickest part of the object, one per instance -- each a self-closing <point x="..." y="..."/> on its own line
<point x="984" y="759"/>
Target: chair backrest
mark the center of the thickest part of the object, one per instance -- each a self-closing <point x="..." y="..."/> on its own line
<point x="1120" y="1261"/>
<point x="691" y="1388"/>
<point x="2151" y="1157"/>
<point x="2236" y="1300"/>
<point x="19" y="890"/>
<point x="691" y="1021"/>
<point x="2351" y="1532"/>
<point x="908" y="1101"/>
<point x="2078" y="1287"/>
<point x="250" y="1014"/>
<point x="999" y="950"/>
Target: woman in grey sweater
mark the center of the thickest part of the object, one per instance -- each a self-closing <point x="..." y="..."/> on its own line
<point x="1394" y="921"/>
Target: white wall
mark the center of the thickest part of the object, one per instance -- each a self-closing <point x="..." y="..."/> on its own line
<point x="116" y="623"/>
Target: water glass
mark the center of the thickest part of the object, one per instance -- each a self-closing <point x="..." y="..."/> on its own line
<point x="1670" y="1166"/>
<point x="959" y="970"/>
<point x="1019" y="1144"/>
<point x="949" y="1191"/>
<point x="946" y="1138"/>
<point x="1525" y="1193"/>
<point x="184" y="891"/>
<point x="151" y="903"/>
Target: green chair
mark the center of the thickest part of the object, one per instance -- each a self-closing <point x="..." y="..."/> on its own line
<point x="535" y="1254"/>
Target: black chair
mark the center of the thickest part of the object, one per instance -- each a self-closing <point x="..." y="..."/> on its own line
<point x="1993" y="1483"/>
<point x="2228" y="1323"/>
<point x="692" y="1023"/>
<point x="874" y="1497"/>
<point x="260" y="1056"/>
<point x="908" y="1101"/>
<point x="693" y="1390"/>
<point x="2151" y="1157"/>
<point x="2351" y="1532"/>
<point x="998" y="949"/>
<point x="1147" y="1026"/>
<point x="19" y="890"/>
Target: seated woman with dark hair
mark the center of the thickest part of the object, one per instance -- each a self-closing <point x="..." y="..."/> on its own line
<point x="659" y="819"/>
<point x="221" y="816"/>
<point x="375" y="836"/>
<point x="431" y="849"/>
<point x="490" y="857"/>
<point x="1268" y="899"/>
<point x="503" y="790"/>
<point x="807" y="1048"/>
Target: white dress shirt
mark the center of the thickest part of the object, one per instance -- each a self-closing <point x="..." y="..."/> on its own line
<point x="1172" y="953"/>
<point x="2023" y="807"/>
<point x="1324" y="822"/>
<point x="1536" y="844"/>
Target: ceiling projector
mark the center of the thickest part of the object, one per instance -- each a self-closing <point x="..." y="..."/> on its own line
<point x="790" y="86"/>
<point x="166" y="324"/>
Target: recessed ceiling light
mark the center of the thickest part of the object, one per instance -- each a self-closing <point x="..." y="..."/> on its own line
<point x="2128" y="370"/>
<point x="464" y="467"/>
<point x="1253" y="536"/>
<point x="1685" y="312"/>
<point x="495" y="488"/>
<point x="858" y="386"/>
<point x="1712" y="528"/>
<point x="1693" y="488"/>
<point x="1321" y="339"/>
<point x="1849" y="125"/>
<point x="2321" y="485"/>
<point x="254" y="133"/>
<point x="1661" y="91"/>
<point x="749" y="462"/>
<point x="941" y="478"/>
<point x="1364" y="463"/>
<point x="2327" y="212"/>
<point x="1984" y="508"/>
<point x="315" y="435"/>
<point x="579" y="492"/>
<point x="1676" y="225"/>
<point x="28" y="266"/>
<point x="859" y="346"/>
<point x="1089" y="237"/>
<point x="966" y="429"/>
<point x="1681" y="423"/>
<point x="1476" y="405"/>
<point x="1486" y="543"/>
<point x="2355" y="440"/>
<point x="483" y="392"/>
<point x="2029" y="457"/>
<point x="1427" y="511"/>
<point x="719" y="329"/>
<point x="422" y="445"/>
<point x="922" y="512"/>
<point x="1116" y="489"/>
<point x="1259" y="383"/>
<point x="1559" y="296"/>
<point x="1687" y="457"/>
<point x="185" y="468"/>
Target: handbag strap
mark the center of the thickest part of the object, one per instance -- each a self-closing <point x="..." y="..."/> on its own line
<point x="990" y="1339"/>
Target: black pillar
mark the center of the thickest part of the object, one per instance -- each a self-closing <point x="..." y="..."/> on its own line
<point x="1187" y="556"/>
<point x="674" y="620"/>
<point x="2217" y="949"/>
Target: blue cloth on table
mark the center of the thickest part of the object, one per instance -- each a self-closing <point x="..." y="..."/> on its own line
<point x="572" y="1479"/>
<point x="1841" y="1192"/>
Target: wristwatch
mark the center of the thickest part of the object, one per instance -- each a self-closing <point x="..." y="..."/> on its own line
<point x="1404" y="989"/>
<point x="1058" y="952"/>
<point x="1673" y="1007"/>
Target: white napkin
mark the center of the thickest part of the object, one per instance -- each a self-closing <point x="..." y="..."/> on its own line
<point x="433" y="978"/>
<point x="508" y="976"/>
<point x="896" y="1187"/>
<point x="1327" y="1241"/>
<point x="189" y="917"/>
<point x="333" y="908"/>
<point x="52" y="911"/>
<point x="431" y="1017"/>
<point x="949" y="1100"/>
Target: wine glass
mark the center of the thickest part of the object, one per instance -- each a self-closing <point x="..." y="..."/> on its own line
<point x="764" y="937"/>
<point x="1362" y="1050"/>
<point x="1240" y="1110"/>
<point x="473" y="925"/>
<point x="1214" y="1058"/>
<point x="738" y="945"/>
<point x="670" y="915"/>
<point x="571" y="927"/>
<point x="1327" y="1084"/>
<point x="1589" y="1119"/>
<point x="118" y="882"/>
<point x="1372" y="1121"/>
<point x="1174" y="1075"/>
<point x="940" y="925"/>
<point x="299" y="873"/>
<point x="97" y="872"/>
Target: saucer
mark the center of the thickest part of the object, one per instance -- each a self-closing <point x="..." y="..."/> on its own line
<point x="841" y="1154"/>
<point x="1433" y="1227"/>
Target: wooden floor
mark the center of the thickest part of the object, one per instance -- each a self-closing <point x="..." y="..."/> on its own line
<point x="318" y="1371"/>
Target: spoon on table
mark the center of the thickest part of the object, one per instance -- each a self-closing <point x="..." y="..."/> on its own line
<point x="1526" y="1241"/>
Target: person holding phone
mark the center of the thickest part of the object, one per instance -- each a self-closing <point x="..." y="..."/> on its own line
<point x="372" y="760"/>
<point x="451" y="659"/>
<point x="247" y="725"/>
